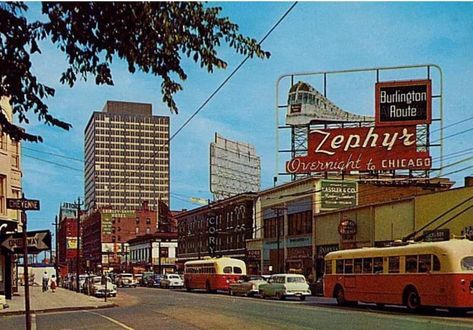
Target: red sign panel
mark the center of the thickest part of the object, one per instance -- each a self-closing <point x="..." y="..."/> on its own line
<point x="361" y="149"/>
<point x="403" y="102"/>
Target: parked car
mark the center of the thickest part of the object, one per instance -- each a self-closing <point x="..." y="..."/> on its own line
<point x="81" y="282"/>
<point x="126" y="280"/>
<point x="144" y="279"/>
<point x="247" y="285"/>
<point x="98" y="288"/>
<point x="285" y="285"/>
<point x="154" y="281"/>
<point x="87" y="284"/>
<point x="171" y="281"/>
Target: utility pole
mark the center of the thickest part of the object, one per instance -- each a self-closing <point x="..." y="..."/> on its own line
<point x="78" y="244"/>
<point x="25" y="271"/>
<point x="57" y="249"/>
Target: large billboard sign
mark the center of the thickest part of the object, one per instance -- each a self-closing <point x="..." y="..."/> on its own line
<point x="234" y="168"/>
<point x="361" y="149"/>
<point x="403" y="103"/>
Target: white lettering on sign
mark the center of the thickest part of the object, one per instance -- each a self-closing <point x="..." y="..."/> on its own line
<point x="400" y="97"/>
<point x="329" y="144"/>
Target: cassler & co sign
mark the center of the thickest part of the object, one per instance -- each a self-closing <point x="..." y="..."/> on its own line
<point x="361" y="149"/>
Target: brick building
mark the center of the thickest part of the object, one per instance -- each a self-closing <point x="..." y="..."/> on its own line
<point x="106" y="233"/>
<point x="232" y="227"/>
<point x="67" y="239"/>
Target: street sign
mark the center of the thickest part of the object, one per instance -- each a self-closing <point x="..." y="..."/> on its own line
<point x="37" y="241"/>
<point x="7" y="226"/>
<point x="22" y="204"/>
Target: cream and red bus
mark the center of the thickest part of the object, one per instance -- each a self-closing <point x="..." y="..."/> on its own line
<point x="213" y="274"/>
<point x="417" y="275"/>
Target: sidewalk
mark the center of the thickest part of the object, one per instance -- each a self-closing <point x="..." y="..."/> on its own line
<point x="61" y="300"/>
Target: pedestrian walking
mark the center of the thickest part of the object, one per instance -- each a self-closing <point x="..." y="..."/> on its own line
<point x="45" y="281"/>
<point x="53" y="283"/>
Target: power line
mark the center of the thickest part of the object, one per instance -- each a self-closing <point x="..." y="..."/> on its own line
<point x="53" y="163"/>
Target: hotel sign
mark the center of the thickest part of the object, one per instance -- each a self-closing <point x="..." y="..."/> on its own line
<point x="403" y="102"/>
<point x="361" y="149"/>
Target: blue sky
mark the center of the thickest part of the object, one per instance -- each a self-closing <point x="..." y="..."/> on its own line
<point x="315" y="36"/>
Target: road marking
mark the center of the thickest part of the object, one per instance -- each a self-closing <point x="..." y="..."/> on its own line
<point x="33" y="321"/>
<point x="124" y="326"/>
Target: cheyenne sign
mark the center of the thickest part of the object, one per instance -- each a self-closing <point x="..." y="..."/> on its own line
<point x="361" y="149"/>
<point x="403" y="102"/>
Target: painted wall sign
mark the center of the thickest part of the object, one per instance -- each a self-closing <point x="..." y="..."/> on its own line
<point x="361" y="149"/>
<point x="403" y="102"/>
<point x="335" y="194"/>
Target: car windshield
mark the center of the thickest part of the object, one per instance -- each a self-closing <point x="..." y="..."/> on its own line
<point x="467" y="263"/>
<point x="256" y="278"/>
<point x="294" y="279"/>
<point x="174" y="276"/>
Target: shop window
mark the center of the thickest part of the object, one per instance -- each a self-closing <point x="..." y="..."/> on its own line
<point x="148" y="221"/>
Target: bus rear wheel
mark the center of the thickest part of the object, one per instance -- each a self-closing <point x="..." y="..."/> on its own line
<point x="412" y="300"/>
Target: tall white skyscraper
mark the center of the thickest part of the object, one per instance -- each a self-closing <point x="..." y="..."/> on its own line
<point x="126" y="157"/>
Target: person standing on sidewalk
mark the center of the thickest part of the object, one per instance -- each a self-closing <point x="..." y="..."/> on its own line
<point x="53" y="283"/>
<point x="45" y="281"/>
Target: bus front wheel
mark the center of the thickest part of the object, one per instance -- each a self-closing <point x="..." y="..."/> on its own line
<point x="412" y="299"/>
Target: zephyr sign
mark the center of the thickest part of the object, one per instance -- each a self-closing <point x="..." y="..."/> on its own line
<point x="361" y="149"/>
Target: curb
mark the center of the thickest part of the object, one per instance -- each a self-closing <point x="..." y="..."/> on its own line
<point x="59" y="309"/>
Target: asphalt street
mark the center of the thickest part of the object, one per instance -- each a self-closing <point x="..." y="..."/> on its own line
<point x="148" y="308"/>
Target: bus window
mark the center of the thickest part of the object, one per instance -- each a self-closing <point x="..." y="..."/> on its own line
<point x="367" y="265"/>
<point x="358" y="263"/>
<point x="467" y="263"/>
<point x="349" y="266"/>
<point x="393" y="264"/>
<point x="436" y="263"/>
<point x="339" y="267"/>
<point x="227" y="270"/>
<point x="378" y="265"/>
<point x="237" y="270"/>
<point x="328" y="267"/>
<point x="425" y="263"/>
<point x="411" y="264"/>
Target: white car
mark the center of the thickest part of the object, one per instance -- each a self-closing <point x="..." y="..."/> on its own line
<point x="171" y="281"/>
<point x="285" y="285"/>
<point x="126" y="280"/>
<point x="99" y="289"/>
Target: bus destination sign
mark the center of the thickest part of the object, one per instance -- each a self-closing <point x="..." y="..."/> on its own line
<point x="403" y="102"/>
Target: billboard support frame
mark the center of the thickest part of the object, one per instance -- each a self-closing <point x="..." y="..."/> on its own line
<point x="377" y="70"/>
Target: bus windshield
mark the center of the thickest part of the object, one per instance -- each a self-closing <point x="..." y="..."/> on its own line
<point x="467" y="263"/>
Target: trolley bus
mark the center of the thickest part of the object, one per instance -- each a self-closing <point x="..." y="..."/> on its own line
<point x="417" y="275"/>
<point x="213" y="274"/>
